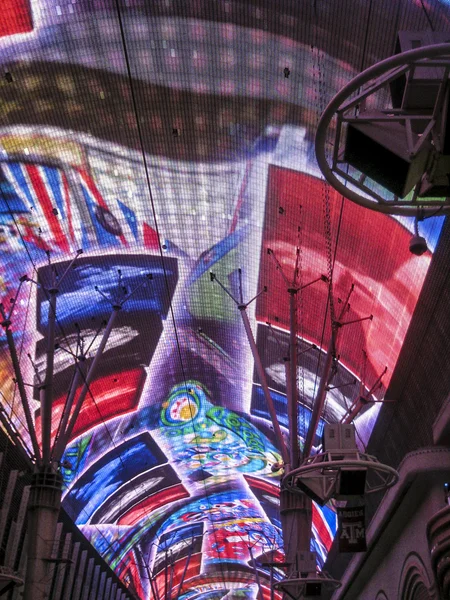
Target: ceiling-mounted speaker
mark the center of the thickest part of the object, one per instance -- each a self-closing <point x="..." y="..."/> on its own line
<point x="380" y="151"/>
<point x="419" y="88"/>
<point x="352" y="482"/>
<point x="313" y="589"/>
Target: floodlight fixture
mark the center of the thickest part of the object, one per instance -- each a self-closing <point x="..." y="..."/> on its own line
<point x="383" y="140"/>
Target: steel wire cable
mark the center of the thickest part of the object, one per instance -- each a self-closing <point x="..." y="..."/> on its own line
<point x="153" y="209"/>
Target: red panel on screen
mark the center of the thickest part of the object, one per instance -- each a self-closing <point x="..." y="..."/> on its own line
<point x="114" y="395"/>
<point x="373" y="253"/>
<point x="191" y="564"/>
<point x="151" y="503"/>
<point x="129" y="574"/>
<point x="16" y="17"/>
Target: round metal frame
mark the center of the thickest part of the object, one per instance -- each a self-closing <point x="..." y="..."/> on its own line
<point x="295" y="587"/>
<point x="322" y="472"/>
<point x="351" y="98"/>
<point x="8" y="576"/>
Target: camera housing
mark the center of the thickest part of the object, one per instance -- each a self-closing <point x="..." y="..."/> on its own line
<point x="418" y="245"/>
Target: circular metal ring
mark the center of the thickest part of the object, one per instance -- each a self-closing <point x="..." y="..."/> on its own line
<point x="380" y="68"/>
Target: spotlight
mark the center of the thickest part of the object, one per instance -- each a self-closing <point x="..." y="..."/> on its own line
<point x="286" y="72"/>
<point x="313" y="488"/>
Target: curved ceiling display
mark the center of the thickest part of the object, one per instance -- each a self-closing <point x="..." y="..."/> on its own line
<point x="169" y="140"/>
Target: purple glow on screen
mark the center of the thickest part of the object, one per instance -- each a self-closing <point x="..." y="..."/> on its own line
<point x="175" y="447"/>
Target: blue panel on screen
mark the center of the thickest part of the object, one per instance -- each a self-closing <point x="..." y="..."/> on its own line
<point x="80" y="302"/>
<point x="113" y="470"/>
<point x="259" y="409"/>
<point x="53" y="177"/>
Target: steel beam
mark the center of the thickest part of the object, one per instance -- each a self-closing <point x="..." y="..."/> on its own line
<point x="292" y="389"/>
<point x="262" y="377"/>
<point x="324" y="380"/>
<point x="20" y="384"/>
<point x="46" y="390"/>
<point x="64" y="437"/>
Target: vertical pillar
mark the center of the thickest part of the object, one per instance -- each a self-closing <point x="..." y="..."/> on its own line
<point x="62" y="568"/>
<point x="295" y="509"/>
<point x="292" y="388"/>
<point x="20" y="524"/>
<point x="88" y="579"/>
<point x="101" y="587"/>
<point x="43" y="512"/>
<point x="95" y="581"/>
<point x="107" y="593"/>
<point x="68" y="586"/>
<point x="296" y="522"/>
<point x="6" y="502"/>
<point x="77" y="589"/>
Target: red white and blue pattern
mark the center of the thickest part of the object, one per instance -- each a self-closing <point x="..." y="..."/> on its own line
<point x="63" y="210"/>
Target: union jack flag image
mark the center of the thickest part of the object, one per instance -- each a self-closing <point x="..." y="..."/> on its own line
<point x="16" y="17"/>
<point x="61" y="208"/>
<point x="324" y="525"/>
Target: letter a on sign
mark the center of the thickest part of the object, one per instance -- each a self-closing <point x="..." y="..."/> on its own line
<point x="352" y="529"/>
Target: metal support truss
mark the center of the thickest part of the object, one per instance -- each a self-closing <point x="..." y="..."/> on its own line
<point x="348" y="106"/>
<point x="293" y="287"/>
<point x="258" y="364"/>
<point x="46" y="485"/>
<point x="298" y="587"/>
<point x="327" y="373"/>
<point x="295" y="510"/>
<point x="321" y="472"/>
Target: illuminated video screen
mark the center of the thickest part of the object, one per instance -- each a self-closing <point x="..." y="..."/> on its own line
<point x="194" y="157"/>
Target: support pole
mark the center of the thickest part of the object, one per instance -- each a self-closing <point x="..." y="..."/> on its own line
<point x="46" y="391"/>
<point x="296" y="524"/>
<point x="262" y="377"/>
<point x="320" y="398"/>
<point x="154" y="588"/>
<point x="188" y="559"/>
<point x="69" y="403"/>
<point x="255" y="569"/>
<point x="295" y="509"/>
<point x="43" y="513"/>
<point x="324" y="380"/>
<point x="21" y="386"/>
<point x="65" y="435"/>
<point x="293" y="392"/>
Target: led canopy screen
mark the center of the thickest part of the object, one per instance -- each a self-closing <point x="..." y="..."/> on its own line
<point x="168" y="141"/>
